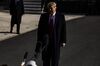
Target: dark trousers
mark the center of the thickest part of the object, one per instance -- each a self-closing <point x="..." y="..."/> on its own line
<point x="51" y="58"/>
<point x="50" y="62"/>
<point x="15" y="19"/>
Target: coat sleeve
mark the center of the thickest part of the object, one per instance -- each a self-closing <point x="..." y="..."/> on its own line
<point x="22" y="6"/>
<point x="11" y="6"/>
<point x="39" y="35"/>
<point x="63" y="30"/>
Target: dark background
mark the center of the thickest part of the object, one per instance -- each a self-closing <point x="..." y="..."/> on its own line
<point x="69" y="6"/>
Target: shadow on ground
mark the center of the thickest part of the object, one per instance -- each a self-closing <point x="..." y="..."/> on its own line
<point x="82" y="47"/>
<point x="12" y="50"/>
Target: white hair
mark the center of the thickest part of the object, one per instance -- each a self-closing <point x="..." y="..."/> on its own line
<point x="51" y="4"/>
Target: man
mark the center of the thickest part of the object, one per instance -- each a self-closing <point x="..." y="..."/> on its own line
<point x="16" y="11"/>
<point x="51" y="35"/>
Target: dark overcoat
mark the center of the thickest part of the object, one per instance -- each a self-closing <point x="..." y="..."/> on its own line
<point x="51" y="47"/>
<point x="16" y="8"/>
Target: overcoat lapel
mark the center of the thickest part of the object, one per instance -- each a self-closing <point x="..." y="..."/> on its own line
<point x="47" y="18"/>
<point x="56" y="21"/>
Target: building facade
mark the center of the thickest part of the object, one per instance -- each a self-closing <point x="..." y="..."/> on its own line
<point x="68" y="6"/>
<point x="4" y="4"/>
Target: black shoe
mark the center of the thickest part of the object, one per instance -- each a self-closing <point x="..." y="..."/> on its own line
<point x="18" y="33"/>
<point x="10" y="31"/>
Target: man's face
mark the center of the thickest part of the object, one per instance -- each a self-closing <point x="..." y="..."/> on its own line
<point x="53" y="8"/>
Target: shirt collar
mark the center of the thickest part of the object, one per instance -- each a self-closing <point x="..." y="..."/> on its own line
<point x="53" y="14"/>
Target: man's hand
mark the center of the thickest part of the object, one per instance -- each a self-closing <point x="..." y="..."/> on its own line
<point x="63" y="44"/>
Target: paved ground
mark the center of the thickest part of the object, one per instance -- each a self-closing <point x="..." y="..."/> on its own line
<point x="82" y="33"/>
<point x="83" y="48"/>
<point x="29" y="22"/>
<point x="83" y="45"/>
